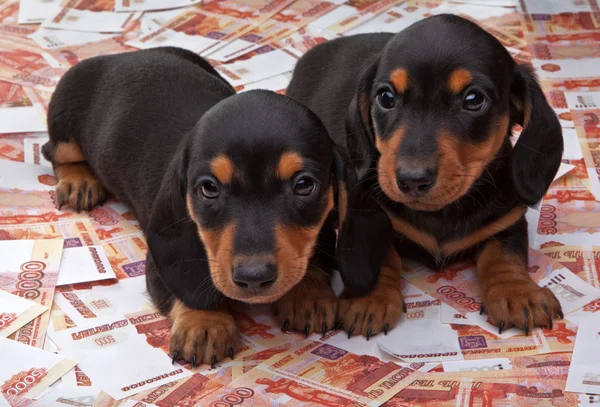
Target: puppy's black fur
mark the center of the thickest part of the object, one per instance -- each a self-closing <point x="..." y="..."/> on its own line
<point x="441" y="165"/>
<point x="231" y="191"/>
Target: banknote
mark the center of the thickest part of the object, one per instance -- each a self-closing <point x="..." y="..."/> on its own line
<point x="148" y="5"/>
<point x="566" y="68"/>
<point x="421" y="337"/>
<point x="27" y="371"/>
<point x="83" y="264"/>
<point x="277" y="83"/>
<point x="90" y="15"/>
<point x="32" y="150"/>
<point x="16" y="311"/>
<point x="22" y="63"/>
<point x="563" y="50"/>
<point x="570" y="217"/>
<point x="127" y="255"/>
<point x="75" y="384"/>
<point x="26" y="176"/>
<point x="48" y="38"/>
<point x="304" y="39"/>
<point x="556" y="7"/>
<point x="9" y="21"/>
<point x="260" y="328"/>
<point x="36" y="11"/>
<point x="395" y="19"/>
<point x="18" y="113"/>
<point x="447" y="389"/>
<point x="85" y="302"/>
<point x="74" y="233"/>
<point x="207" y="28"/>
<point x="352" y="14"/>
<point x="451" y="316"/>
<point x="564" y="23"/>
<point x="71" y="55"/>
<point x="102" y="339"/>
<point x="29" y="269"/>
<point x="185" y="392"/>
<point x="265" y="62"/>
<point x="11" y="146"/>
<point x="287" y="21"/>
<point x="584" y="375"/>
<point x="59" y="320"/>
<point x="316" y="374"/>
<point x="583" y="261"/>
<point x="109" y="224"/>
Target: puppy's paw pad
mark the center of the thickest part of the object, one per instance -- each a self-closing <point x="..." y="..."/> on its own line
<point x="370" y="315"/>
<point x="78" y="187"/>
<point x="307" y="308"/>
<point x="202" y="337"/>
<point x="522" y="304"/>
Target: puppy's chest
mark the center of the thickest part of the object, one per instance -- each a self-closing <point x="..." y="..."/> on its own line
<point x="447" y="240"/>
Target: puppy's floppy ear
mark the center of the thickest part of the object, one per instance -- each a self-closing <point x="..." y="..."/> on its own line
<point x="360" y="138"/>
<point x="174" y="244"/>
<point x="365" y="232"/>
<point x="537" y="154"/>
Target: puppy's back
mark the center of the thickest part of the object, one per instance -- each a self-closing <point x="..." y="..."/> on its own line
<point x="129" y="112"/>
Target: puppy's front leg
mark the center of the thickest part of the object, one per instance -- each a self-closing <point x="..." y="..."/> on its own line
<point x="201" y="336"/>
<point x="310" y="305"/>
<point x="510" y="296"/>
<point x="381" y="308"/>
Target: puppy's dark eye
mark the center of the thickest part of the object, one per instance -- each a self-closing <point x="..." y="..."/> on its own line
<point x="386" y="98"/>
<point x="209" y="189"/>
<point x="474" y="101"/>
<point x="305" y="186"/>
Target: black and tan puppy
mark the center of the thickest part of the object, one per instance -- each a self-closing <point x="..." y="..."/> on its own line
<point x="426" y="116"/>
<point x="231" y="191"/>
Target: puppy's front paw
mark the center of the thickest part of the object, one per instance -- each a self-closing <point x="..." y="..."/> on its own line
<point x="78" y="187"/>
<point x="379" y="311"/>
<point x="200" y="336"/>
<point x="520" y="303"/>
<point x="309" y="307"/>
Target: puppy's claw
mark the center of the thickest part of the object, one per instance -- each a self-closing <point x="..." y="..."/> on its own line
<point x="324" y="328"/>
<point x="526" y="327"/>
<point x="285" y="326"/>
<point x="481" y="310"/>
<point x="193" y="361"/>
<point x="404" y="307"/>
<point x="560" y="314"/>
<point x="213" y="361"/>
<point x="306" y="331"/>
<point x="175" y="354"/>
<point x="369" y="333"/>
<point x="231" y="353"/>
<point x="79" y="200"/>
<point x="61" y="200"/>
<point x="338" y="325"/>
<point x="500" y="327"/>
<point x="548" y="314"/>
<point x="386" y="328"/>
<point x="350" y="331"/>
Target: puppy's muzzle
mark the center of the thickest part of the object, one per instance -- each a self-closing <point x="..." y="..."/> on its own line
<point x="254" y="275"/>
<point x="415" y="182"/>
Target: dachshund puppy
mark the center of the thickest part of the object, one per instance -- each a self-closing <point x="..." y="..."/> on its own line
<point x="426" y="116"/>
<point x="231" y="191"/>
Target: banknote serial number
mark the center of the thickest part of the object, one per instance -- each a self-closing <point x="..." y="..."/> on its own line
<point x="236" y="397"/>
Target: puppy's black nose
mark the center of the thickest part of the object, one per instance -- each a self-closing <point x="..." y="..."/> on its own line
<point x="254" y="275"/>
<point x="415" y="182"/>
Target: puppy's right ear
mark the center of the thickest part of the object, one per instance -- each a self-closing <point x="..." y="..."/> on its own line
<point x="364" y="241"/>
<point x="360" y="137"/>
<point x="365" y="232"/>
<point x="175" y="246"/>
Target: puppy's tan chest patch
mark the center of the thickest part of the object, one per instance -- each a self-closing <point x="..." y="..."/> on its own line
<point x="448" y="248"/>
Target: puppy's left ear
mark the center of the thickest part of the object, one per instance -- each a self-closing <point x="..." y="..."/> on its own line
<point x="174" y="244"/>
<point x="536" y="156"/>
<point x="365" y="233"/>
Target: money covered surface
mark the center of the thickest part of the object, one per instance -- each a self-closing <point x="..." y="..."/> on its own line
<point x="78" y="328"/>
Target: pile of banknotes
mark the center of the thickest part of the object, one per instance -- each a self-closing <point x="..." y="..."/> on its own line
<point x="78" y="329"/>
